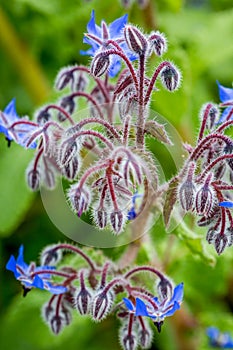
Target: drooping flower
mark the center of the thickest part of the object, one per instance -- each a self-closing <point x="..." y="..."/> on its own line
<point x="21" y="134"/>
<point x="218" y="339"/>
<point x="98" y="36"/>
<point x="157" y="309"/>
<point x="226" y="97"/>
<point x="27" y="274"/>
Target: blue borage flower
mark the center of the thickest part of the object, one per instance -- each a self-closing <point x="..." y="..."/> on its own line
<point x="7" y="118"/>
<point x="26" y="274"/>
<point x="99" y="36"/>
<point x="157" y="310"/>
<point x="132" y="212"/>
<point x="219" y="340"/>
<point x="226" y="96"/>
<point x="226" y="204"/>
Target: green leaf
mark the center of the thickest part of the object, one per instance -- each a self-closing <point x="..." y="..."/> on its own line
<point x="15" y="196"/>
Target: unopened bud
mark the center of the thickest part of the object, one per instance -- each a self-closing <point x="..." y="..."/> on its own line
<point x="135" y="39"/>
<point x="33" y="178"/>
<point x="64" y="77"/>
<point x="81" y="82"/>
<point x="50" y="255"/>
<point x="164" y="287"/>
<point x="186" y="195"/>
<point x="220" y="243"/>
<point x="157" y="43"/>
<point x="145" y="337"/>
<point x="70" y="170"/>
<point x="80" y="199"/>
<point x="129" y="342"/>
<point x="205" y="200"/>
<point x="100" y="64"/>
<point x="68" y="150"/>
<point x="100" y="216"/>
<point x="83" y="300"/>
<point x="117" y="221"/>
<point x="101" y="305"/>
<point x="43" y="116"/>
<point x="47" y="311"/>
<point x="170" y="77"/>
<point x="68" y="104"/>
<point x="228" y="149"/>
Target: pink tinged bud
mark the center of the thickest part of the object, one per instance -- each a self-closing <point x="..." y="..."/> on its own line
<point x="57" y="323"/>
<point x="64" y="78"/>
<point x="135" y="40"/>
<point x="80" y="198"/>
<point x="205" y="200"/>
<point x="33" y="179"/>
<point x="170" y="77"/>
<point x="50" y="256"/>
<point x="117" y="221"/>
<point x="157" y="43"/>
<point x="186" y="195"/>
<point x="67" y="152"/>
<point x="101" y="305"/>
<point x="145" y="337"/>
<point x="100" y="64"/>
<point x="83" y="300"/>
<point x="70" y="170"/>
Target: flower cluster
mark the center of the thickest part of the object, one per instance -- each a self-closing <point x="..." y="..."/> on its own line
<point x="204" y="185"/>
<point x="97" y="291"/>
<point x="112" y="133"/>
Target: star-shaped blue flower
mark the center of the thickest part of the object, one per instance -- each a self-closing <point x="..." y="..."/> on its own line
<point x="26" y="274"/>
<point x="98" y="36"/>
<point x="226" y="96"/>
<point x="219" y="340"/>
<point x="157" y="309"/>
<point x="21" y="134"/>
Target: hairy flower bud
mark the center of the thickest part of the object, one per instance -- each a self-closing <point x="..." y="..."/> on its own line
<point x="33" y="178"/>
<point x="187" y="192"/>
<point x="83" y="300"/>
<point x="67" y="151"/>
<point x="80" y="198"/>
<point x="220" y="243"/>
<point x="170" y="77"/>
<point x="205" y="200"/>
<point x="117" y="220"/>
<point x="50" y="255"/>
<point x="70" y="170"/>
<point x="228" y="149"/>
<point x="47" y="311"/>
<point x="145" y="337"/>
<point x="100" y="64"/>
<point x="68" y="104"/>
<point x="164" y="287"/>
<point x="157" y="43"/>
<point x="100" y="217"/>
<point x="57" y="323"/>
<point x="64" y="77"/>
<point x="101" y="304"/>
<point x="129" y="342"/>
<point x="81" y="82"/>
<point x="43" y="116"/>
<point x="135" y="39"/>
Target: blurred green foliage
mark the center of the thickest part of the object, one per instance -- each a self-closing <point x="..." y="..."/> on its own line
<point x="50" y="34"/>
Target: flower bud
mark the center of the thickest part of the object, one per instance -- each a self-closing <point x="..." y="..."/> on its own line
<point x="157" y="43"/>
<point x="43" y="116"/>
<point x="213" y="116"/>
<point x="33" y="178"/>
<point x="47" y="311"/>
<point x="101" y="304"/>
<point x="117" y="220"/>
<point x="67" y="152"/>
<point x="220" y="243"/>
<point x="164" y="287"/>
<point x="205" y="200"/>
<point x="80" y="198"/>
<point x="70" y="170"/>
<point x="145" y="337"/>
<point x="81" y="82"/>
<point x="135" y="40"/>
<point x="57" y="323"/>
<point x="100" y="64"/>
<point x="170" y="77"/>
<point x="100" y="217"/>
<point x="187" y="192"/>
<point x="50" y="256"/>
<point x="83" y="300"/>
<point x="129" y="342"/>
<point x="68" y="104"/>
<point x="228" y="149"/>
<point x="64" y="77"/>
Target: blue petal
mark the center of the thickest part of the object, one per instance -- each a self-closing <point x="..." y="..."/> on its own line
<point x="226" y="204"/>
<point x="92" y="27"/>
<point x="115" y="28"/>
<point x="114" y="68"/>
<point x="11" y="266"/>
<point x="128" y="304"/>
<point x="178" y="293"/>
<point x="224" y="115"/>
<point x="141" y="309"/>
<point x="20" y="258"/>
<point x="10" y="111"/>
<point x="38" y="282"/>
<point x="212" y="333"/>
<point x="225" y="94"/>
<point x="55" y="289"/>
<point x="170" y="312"/>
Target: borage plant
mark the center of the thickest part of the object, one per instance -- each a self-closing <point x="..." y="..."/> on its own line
<point x="120" y="184"/>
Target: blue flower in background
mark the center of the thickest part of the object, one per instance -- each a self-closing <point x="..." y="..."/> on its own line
<point x="26" y="274"/>
<point x="100" y="35"/>
<point x="132" y="212"/>
<point x="157" y="310"/>
<point x="226" y="204"/>
<point x="226" y="96"/>
<point x="7" y="118"/>
<point x="219" y="340"/>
